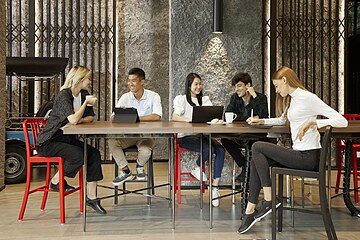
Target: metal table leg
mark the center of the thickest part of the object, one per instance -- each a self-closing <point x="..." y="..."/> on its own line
<point x="201" y="167"/>
<point x="171" y="173"/>
<point x="245" y="189"/>
<point x="347" y="169"/>
<point x="210" y="184"/>
<point x="85" y="180"/>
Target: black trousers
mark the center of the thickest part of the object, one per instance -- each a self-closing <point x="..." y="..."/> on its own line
<point x="233" y="145"/>
<point x="73" y="154"/>
<point x="266" y="155"/>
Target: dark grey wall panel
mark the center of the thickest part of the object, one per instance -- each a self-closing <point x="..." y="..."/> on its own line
<point x="143" y="41"/>
<point x="216" y="57"/>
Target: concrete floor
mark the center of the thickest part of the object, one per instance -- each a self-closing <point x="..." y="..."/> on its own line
<point x="133" y="219"/>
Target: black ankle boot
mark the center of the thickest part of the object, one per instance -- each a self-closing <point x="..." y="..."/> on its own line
<point x="95" y="204"/>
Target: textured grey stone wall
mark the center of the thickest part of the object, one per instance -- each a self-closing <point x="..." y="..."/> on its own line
<point x="216" y="57"/>
<point x="143" y="42"/>
<point x="2" y="91"/>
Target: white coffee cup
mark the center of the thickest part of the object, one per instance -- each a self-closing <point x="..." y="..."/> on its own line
<point x="89" y="96"/>
<point x="229" y="117"/>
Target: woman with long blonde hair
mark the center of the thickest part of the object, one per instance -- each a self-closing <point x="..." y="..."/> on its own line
<point x="300" y="108"/>
<point x="72" y="106"/>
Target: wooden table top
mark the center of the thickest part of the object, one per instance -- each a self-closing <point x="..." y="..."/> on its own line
<point x="171" y="127"/>
<point x="149" y="127"/>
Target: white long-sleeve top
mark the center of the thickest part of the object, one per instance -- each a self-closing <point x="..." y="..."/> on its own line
<point x="304" y="107"/>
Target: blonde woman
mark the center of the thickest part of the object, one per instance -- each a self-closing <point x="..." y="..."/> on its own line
<point x="72" y="107"/>
<point x="300" y="109"/>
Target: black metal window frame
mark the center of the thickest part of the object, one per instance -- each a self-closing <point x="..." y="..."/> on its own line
<point x="304" y="35"/>
<point x="82" y="30"/>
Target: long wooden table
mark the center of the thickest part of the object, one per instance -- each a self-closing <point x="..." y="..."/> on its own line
<point x="237" y="130"/>
<point x="105" y="129"/>
<point x="168" y="129"/>
<point x="160" y="129"/>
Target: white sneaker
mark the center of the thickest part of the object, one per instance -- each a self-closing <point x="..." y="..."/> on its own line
<point x="140" y="173"/>
<point x="196" y="173"/>
<point x="215" y="194"/>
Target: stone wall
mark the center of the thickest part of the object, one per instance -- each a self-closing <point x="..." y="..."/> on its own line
<point x="2" y="91"/>
<point x="143" y="42"/>
<point x="216" y="57"/>
<point x="144" y="29"/>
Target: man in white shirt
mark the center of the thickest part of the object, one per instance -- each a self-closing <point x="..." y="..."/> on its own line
<point x="148" y="105"/>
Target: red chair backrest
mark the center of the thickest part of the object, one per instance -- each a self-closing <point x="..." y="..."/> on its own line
<point x="178" y="148"/>
<point x="33" y="126"/>
<point x="352" y="116"/>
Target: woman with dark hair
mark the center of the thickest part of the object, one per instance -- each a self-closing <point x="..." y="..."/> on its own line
<point x="300" y="108"/>
<point x="183" y="108"/>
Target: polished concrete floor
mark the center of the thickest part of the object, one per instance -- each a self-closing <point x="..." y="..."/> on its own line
<point x="133" y="219"/>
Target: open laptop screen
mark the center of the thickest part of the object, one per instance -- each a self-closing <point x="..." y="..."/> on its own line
<point x="125" y="115"/>
<point x="203" y="114"/>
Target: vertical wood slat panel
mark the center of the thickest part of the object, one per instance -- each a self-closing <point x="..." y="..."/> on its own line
<point x="9" y="42"/>
<point x="71" y="29"/>
<point x="307" y="42"/>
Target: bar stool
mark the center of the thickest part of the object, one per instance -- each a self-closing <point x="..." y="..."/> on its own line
<point x="35" y="125"/>
<point x="320" y="175"/>
<point x="149" y="180"/>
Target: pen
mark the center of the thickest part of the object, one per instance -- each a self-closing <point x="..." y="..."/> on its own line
<point x="252" y="113"/>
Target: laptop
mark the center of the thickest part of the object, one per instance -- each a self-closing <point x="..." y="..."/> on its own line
<point x="203" y="114"/>
<point x="125" y="115"/>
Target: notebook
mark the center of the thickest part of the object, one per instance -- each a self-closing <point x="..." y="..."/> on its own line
<point x="259" y="126"/>
<point x="125" y="115"/>
<point x="203" y="114"/>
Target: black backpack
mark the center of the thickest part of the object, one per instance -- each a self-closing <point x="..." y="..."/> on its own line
<point x="45" y="109"/>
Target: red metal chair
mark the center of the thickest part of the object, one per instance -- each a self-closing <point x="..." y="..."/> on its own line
<point x="35" y="125"/>
<point x="340" y="151"/>
<point x="179" y="173"/>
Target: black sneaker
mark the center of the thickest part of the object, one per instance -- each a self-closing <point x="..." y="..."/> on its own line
<point x="95" y="204"/>
<point x="265" y="209"/>
<point x="56" y="187"/>
<point x="247" y="222"/>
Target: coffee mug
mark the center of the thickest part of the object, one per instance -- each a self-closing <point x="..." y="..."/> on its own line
<point x="229" y="117"/>
<point x="89" y="96"/>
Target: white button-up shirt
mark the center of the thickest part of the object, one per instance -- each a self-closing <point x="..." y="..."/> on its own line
<point x="150" y="103"/>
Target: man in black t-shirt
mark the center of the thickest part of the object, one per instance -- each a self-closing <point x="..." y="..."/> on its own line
<point x="242" y="102"/>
